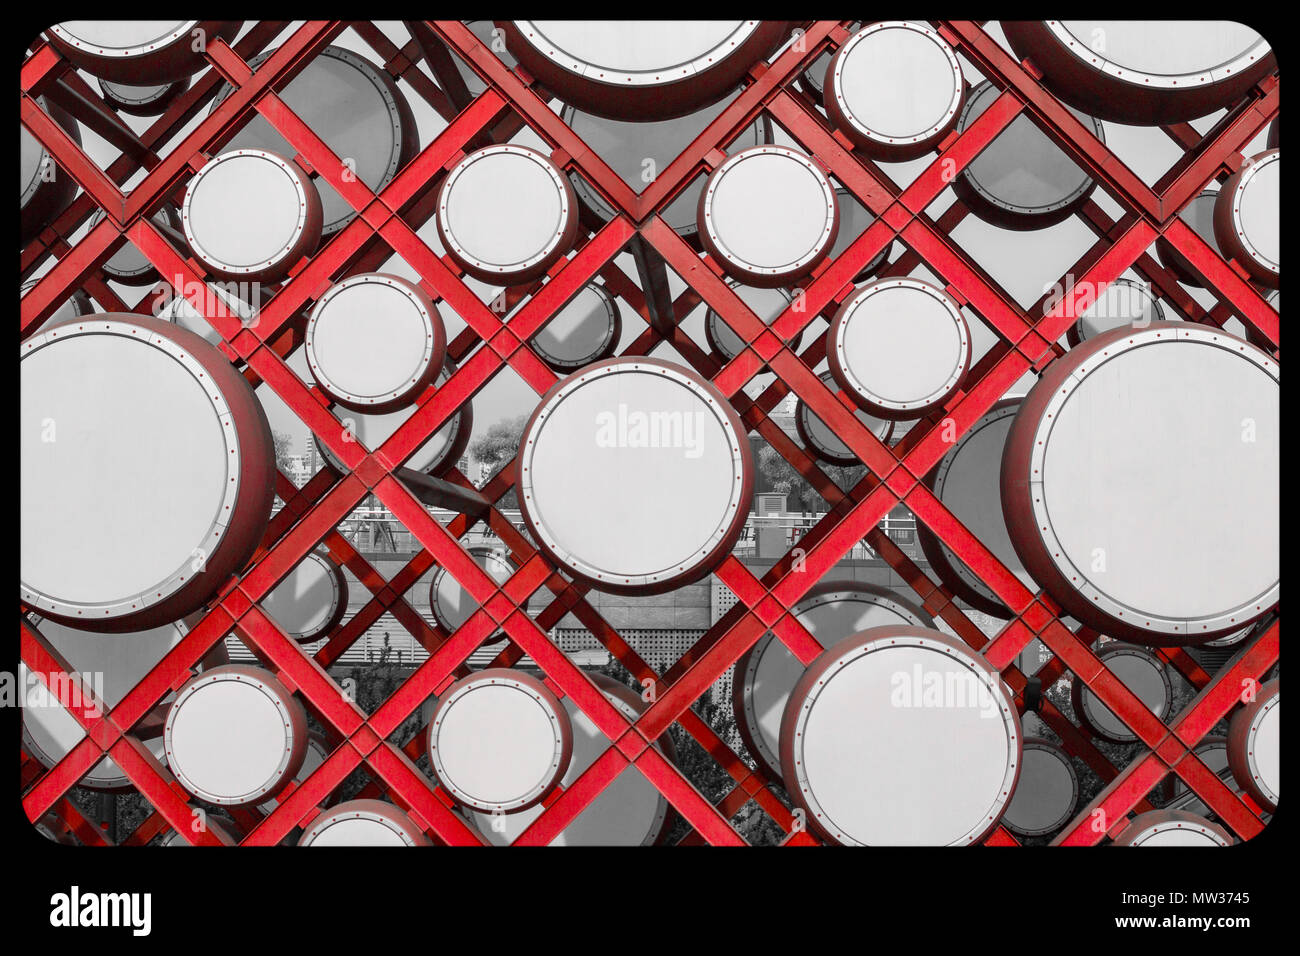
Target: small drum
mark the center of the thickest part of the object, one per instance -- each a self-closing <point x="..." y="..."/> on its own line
<point x="139" y="51"/>
<point x="375" y="342"/>
<point x="643" y="430"/>
<point x="356" y="109"/>
<point x="767" y="304"/>
<point x="1022" y="180"/>
<point x="640" y="151"/>
<point x="44" y="188"/>
<point x="224" y="304"/>
<point x="1199" y="216"/>
<point x="235" y="735"/>
<point x="312" y="600"/>
<point x="151" y="100"/>
<point x="630" y="811"/>
<point x="899" y="347"/>
<point x="1213" y="752"/>
<point x="1122" y="304"/>
<point x="1144" y="72"/>
<point x="1247" y="217"/>
<point x="1046" y="793"/>
<point x="76" y="305"/>
<point x="202" y="463"/>
<point x="249" y="214"/>
<point x="855" y="219"/>
<point x="1097" y="500"/>
<point x="318" y="750"/>
<point x="586" y="329"/>
<point x="363" y="823"/>
<point x="1141" y="672"/>
<point x="822" y="441"/>
<point x="1254" y="746"/>
<point x="641" y="69"/>
<point x="1274" y="139"/>
<point x="506" y="214"/>
<point x="222" y="828"/>
<point x="1172" y="828"/>
<point x="499" y="741"/>
<point x="896" y="90"/>
<point x="129" y="265"/>
<point x="755" y="189"/>
<point x="901" y="736"/>
<point x="966" y="481"/>
<point x="451" y="604"/>
<point x="812" y="79"/>
<point x="767" y="673"/>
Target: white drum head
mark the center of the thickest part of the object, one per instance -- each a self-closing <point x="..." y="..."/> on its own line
<point x="1121" y="304"/>
<point x="1254" y="742"/>
<point x="179" y="311"/>
<point x="1198" y="214"/>
<point x="310" y="600"/>
<point x="363" y="823"/>
<point x="1254" y="215"/>
<point x="767" y="304"/>
<point x="316" y="753"/>
<point x="584" y="330"/>
<point x="1172" y="828"/>
<point x="1046" y="793"/>
<point x="451" y="604"/>
<point x="1141" y="672"/>
<point x="121" y="38"/>
<point x="1213" y="752"/>
<point x="823" y="442"/>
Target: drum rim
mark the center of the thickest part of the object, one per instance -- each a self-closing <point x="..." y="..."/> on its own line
<point x="804" y="427"/>
<point x="138" y="50"/>
<point x="119" y="92"/>
<point x="375" y="811"/>
<point x="1233" y="196"/>
<point x="1086" y="701"/>
<point x="475" y="550"/>
<point x="712" y="319"/>
<point x="338" y="606"/>
<point x="1146" y="825"/>
<point x="1059" y="752"/>
<point x="1080" y="336"/>
<point x="610" y="340"/>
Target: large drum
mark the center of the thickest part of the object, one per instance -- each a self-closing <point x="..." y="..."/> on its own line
<point x="139" y="51"/>
<point x="1172" y="828"/>
<point x="183" y="486"/>
<point x="1254" y="746"/>
<point x="1247" y="217"/>
<point x="1142" y="673"/>
<point x="44" y="187"/>
<point x="363" y="823"/>
<point x="312" y="600"/>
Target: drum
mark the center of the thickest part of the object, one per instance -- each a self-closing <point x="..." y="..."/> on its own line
<point x="586" y="329"/>
<point x="492" y="37"/>
<point x="356" y="109"/>
<point x="641" y="69"/>
<point x="896" y="90"/>
<point x="812" y="79"/>
<point x="184" y="487"/>
<point x="221" y="828"/>
<point x="151" y="100"/>
<point x="1144" y="72"/>
<point x="822" y="441"/>
<point x="375" y="342"/>
<point x="1141" y="672"/>
<point x="1213" y="752"/>
<point x="901" y="735"/>
<point x="1046" y="793"/>
<point x="749" y="192"/>
<point x="318" y="750"/>
<point x="1172" y="828"/>
<point x="642" y="430"/>
<point x="1199" y="216"/>
<point x="855" y="219"/>
<point x="639" y="151"/>
<point x="177" y="309"/>
<point x="499" y="741"/>
<point x="129" y="265"/>
<point x="310" y="603"/>
<point x="767" y="304"/>
<point x="44" y="188"/>
<point x="767" y="673"/>
<point x="966" y="482"/>
<point x="139" y="51"/>
<point x="1247" y="217"/>
<point x="1121" y="304"/>
<point x="630" y="811"/>
<point x="1274" y="134"/>
<point x="249" y="214"/>
<point x="363" y="823"/>
<point x="1254" y="742"/>
<point x="450" y="603"/>
<point x="899" y="347"/>
<point x="1022" y="180"/>
<point x="75" y="306"/>
<point x="235" y="735"/>
<point x="1097" y="499"/>
<point x="506" y="214"/>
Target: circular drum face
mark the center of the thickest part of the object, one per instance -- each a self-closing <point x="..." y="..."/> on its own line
<point x="768" y="215"/>
<point x="901" y="736"/>
<point x="1046" y="793"/>
<point x="1199" y="216"/>
<point x="311" y="601"/>
<point x="1254" y="741"/>
<point x="822" y="441"/>
<point x="451" y="604"/>
<point x="896" y="89"/>
<point x="585" y="330"/>
<point x="629" y="812"/>
<point x="50" y="731"/>
<point x="1097" y="498"/>
<point x="855" y="219"/>
<point x="168" y="425"/>
<point x="235" y="735"/>
<point x="219" y="302"/>
<point x="1141" y="672"/>
<point x="1213" y="752"/>
<point x="499" y="740"/>
<point x="357" y="111"/>
<point x="643" y="431"/>
<point x="1172" y="828"/>
<point x="129" y="265"/>
<point x="139" y="51"/>
<point x="767" y="304"/>
<point x="174" y="838"/>
<point x="641" y="69"/>
<point x="966" y="481"/>
<point x="1121" y="304"/>
<point x="506" y="214"/>
<point x="363" y="823"/>
<point x="249" y="214"/>
<point x="375" y="342"/>
<point x="1022" y="180"/>
<point x="627" y="146"/>
<point x="150" y="100"/>
<point x="1247" y="217"/>
<point x="767" y="673"/>
<point x="1144" y="72"/>
<point x="899" y="347"/>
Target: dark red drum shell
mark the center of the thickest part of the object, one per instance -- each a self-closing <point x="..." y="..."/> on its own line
<point x="1226" y="234"/>
<point x="1239" y="743"/>
<point x="1176" y="262"/>
<point x="642" y="103"/>
<point x="1077" y="687"/>
<point x="154" y="107"/>
<point x="174" y="61"/>
<point x="52" y="197"/>
<point x="1154" y="817"/>
<point x="1109" y="98"/>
